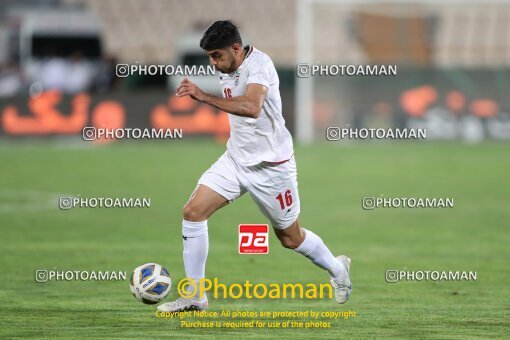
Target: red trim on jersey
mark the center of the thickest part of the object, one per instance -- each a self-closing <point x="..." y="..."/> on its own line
<point x="281" y="162"/>
<point x="248" y="52"/>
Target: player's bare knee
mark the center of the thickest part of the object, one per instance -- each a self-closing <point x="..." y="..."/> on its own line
<point x="289" y="243"/>
<point x="192" y="213"/>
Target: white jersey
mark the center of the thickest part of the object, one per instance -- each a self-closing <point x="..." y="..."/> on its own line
<point x="255" y="140"/>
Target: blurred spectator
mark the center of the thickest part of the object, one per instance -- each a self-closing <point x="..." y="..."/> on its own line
<point x="53" y="73"/>
<point x="106" y="76"/>
<point x="80" y="74"/>
<point x="69" y="75"/>
<point x="10" y="80"/>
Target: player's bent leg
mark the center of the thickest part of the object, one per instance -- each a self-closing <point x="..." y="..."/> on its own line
<point x="203" y="203"/>
<point x="292" y="236"/>
<point x="275" y="190"/>
<point x="217" y="186"/>
<point x="311" y="246"/>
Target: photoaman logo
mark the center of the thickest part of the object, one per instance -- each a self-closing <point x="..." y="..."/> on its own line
<point x="189" y="288"/>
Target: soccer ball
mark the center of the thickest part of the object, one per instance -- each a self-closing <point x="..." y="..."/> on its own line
<point x="150" y="283"/>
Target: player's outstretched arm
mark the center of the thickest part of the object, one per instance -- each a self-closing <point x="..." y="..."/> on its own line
<point x="248" y="105"/>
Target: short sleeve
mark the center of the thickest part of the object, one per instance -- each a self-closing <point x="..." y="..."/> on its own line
<point x="259" y="72"/>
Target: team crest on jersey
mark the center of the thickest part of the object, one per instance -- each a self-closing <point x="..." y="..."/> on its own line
<point x="236" y="75"/>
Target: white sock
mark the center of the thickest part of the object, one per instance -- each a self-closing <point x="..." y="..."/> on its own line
<point x="196" y="245"/>
<point x="313" y="248"/>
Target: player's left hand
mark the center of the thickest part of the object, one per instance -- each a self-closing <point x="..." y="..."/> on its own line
<point x="187" y="88"/>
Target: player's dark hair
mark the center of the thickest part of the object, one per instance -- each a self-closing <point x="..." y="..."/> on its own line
<point x="220" y="34"/>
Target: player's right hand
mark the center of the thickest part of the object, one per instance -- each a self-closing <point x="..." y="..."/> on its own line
<point x="187" y="88"/>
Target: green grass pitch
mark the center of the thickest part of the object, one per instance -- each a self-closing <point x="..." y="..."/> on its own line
<point x="333" y="178"/>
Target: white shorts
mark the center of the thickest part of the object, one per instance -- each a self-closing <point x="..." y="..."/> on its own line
<point x="273" y="187"/>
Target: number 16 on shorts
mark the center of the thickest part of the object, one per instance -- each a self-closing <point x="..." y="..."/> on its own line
<point x="253" y="239"/>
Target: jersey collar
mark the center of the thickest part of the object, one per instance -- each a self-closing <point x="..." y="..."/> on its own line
<point x="247" y="51"/>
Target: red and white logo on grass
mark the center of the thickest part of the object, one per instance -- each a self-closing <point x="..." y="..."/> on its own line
<point x="253" y="239"/>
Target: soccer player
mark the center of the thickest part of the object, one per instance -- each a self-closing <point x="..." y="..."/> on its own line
<point x="259" y="160"/>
